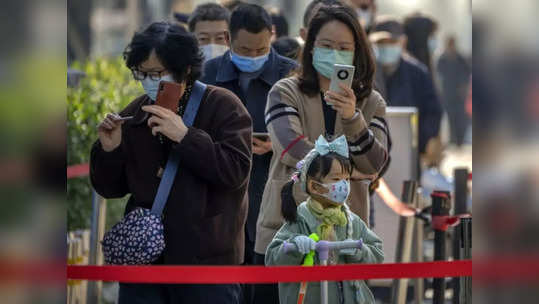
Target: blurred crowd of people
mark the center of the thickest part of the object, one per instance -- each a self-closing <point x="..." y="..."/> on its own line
<point x="249" y="50"/>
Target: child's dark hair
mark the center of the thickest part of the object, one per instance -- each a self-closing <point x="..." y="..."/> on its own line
<point x="318" y="169"/>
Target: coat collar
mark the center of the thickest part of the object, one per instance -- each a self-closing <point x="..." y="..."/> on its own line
<point x="229" y="72"/>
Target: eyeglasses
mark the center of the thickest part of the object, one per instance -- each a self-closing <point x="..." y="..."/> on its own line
<point x="140" y="75"/>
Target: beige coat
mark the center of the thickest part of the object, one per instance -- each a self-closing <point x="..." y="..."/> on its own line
<point x="294" y="121"/>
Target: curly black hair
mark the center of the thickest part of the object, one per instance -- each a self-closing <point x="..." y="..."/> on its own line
<point x="175" y="47"/>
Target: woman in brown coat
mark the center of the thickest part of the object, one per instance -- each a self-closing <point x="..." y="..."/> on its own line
<point x="206" y="210"/>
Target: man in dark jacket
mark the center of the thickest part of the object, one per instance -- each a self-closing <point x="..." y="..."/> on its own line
<point x="454" y="74"/>
<point x="206" y="210"/>
<point x="404" y="81"/>
<point x="249" y="70"/>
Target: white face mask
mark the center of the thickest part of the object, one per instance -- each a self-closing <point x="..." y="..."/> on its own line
<point x="151" y="87"/>
<point x="213" y="50"/>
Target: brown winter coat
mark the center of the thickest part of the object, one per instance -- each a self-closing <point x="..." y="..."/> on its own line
<point x="206" y="211"/>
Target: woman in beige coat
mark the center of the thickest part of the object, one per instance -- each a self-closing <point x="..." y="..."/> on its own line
<point x="301" y="108"/>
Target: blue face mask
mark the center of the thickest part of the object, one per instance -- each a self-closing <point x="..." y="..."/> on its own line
<point x="388" y="54"/>
<point x="248" y="64"/>
<point x="151" y="87"/>
<point x="324" y="59"/>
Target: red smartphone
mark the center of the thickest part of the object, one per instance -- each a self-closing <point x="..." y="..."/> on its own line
<point x="169" y="95"/>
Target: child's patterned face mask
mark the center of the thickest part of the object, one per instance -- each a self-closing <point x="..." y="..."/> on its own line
<point x="337" y="192"/>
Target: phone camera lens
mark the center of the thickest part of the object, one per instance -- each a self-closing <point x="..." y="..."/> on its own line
<point x="342" y="74"/>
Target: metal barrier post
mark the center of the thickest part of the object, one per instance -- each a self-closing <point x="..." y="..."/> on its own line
<point x="419" y="284"/>
<point x="99" y="208"/>
<point x="461" y="197"/>
<point x="404" y="242"/>
<point x="441" y="204"/>
<point x="69" y="261"/>
<point x="84" y="236"/>
<point x="466" y="250"/>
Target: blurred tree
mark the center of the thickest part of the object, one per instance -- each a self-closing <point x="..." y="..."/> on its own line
<point x="107" y="87"/>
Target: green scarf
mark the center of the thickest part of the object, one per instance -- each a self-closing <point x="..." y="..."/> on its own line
<point x="329" y="217"/>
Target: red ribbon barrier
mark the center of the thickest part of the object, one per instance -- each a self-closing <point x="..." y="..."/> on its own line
<point x="262" y="274"/>
<point x="78" y="170"/>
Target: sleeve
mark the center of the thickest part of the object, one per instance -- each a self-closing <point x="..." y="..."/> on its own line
<point x="371" y="252"/>
<point x="284" y="125"/>
<point x="441" y="66"/>
<point x="275" y="254"/>
<point x="107" y="171"/>
<point x="223" y="159"/>
<point x="430" y="112"/>
<point x="368" y="140"/>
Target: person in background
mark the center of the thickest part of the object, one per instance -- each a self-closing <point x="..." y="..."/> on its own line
<point x="209" y="23"/>
<point x="366" y="11"/>
<point x="280" y="24"/>
<point x="404" y="81"/>
<point x="249" y="69"/>
<point x="231" y="5"/>
<point x="421" y="43"/>
<point x="181" y="19"/>
<point x="453" y="73"/>
<point x="206" y="210"/>
<point x="287" y="47"/>
<point x="310" y="11"/>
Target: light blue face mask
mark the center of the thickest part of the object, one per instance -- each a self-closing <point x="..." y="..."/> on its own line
<point x="432" y="43"/>
<point x="151" y="87"/>
<point x="248" y="64"/>
<point x="324" y="59"/>
<point x="388" y="54"/>
<point x="337" y="192"/>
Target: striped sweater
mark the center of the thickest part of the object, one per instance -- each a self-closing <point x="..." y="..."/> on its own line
<point x="294" y="121"/>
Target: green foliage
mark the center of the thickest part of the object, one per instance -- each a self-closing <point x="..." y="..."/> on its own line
<point x="107" y="87"/>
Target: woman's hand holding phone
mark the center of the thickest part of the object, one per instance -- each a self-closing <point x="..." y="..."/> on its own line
<point x="110" y="132"/>
<point x="344" y="103"/>
<point x="166" y="122"/>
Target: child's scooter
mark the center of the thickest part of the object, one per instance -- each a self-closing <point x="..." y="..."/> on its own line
<point x="323" y="248"/>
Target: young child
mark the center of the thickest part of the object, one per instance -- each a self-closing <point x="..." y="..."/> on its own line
<point x="325" y="176"/>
